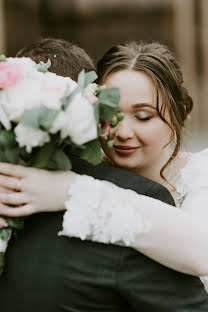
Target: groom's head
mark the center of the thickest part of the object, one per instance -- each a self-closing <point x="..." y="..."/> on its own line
<point x="67" y="59"/>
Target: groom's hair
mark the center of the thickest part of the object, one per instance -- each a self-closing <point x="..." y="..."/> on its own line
<point x="67" y="59"/>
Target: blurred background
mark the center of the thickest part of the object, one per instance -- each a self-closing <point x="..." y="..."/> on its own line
<point x="96" y="25"/>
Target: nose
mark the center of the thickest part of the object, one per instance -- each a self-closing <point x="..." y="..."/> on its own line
<point x="124" y="130"/>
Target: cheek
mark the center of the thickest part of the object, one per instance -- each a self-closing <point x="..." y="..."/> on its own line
<point x="155" y="134"/>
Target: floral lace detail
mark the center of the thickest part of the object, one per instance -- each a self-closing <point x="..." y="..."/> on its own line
<point x="192" y="176"/>
<point x="182" y="184"/>
<point x="102" y="212"/>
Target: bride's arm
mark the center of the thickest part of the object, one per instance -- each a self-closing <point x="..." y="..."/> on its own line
<point x="177" y="238"/>
<point x="107" y="213"/>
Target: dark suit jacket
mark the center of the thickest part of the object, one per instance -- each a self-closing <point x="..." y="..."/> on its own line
<point x="47" y="273"/>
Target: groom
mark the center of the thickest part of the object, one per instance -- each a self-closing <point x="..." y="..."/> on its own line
<point x="48" y="273"/>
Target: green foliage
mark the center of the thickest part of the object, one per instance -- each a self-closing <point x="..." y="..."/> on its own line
<point x="110" y="97"/>
<point x="7" y="138"/>
<point x="5" y="233"/>
<point x="40" y="117"/>
<point x="91" y="152"/>
<point x="84" y="79"/>
<point x="16" y="223"/>
<point x="61" y="160"/>
<point x="108" y="103"/>
<point x="3" y="58"/>
<point x="53" y="155"/>
<point x="41" y="157"/>
<point x="96" y="108"/>
<point x="43" y="67"/>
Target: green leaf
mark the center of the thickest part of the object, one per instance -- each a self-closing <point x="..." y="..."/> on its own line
<point x="96" y="108"/>
<point x="84" y="79"/>
<point x="89" y="78"/>
<point x="61" y="160"/>
<point x="3" y="58"/>
<point x="2" y="156"/>
<point x="47" y="117"/>
<point x="107" y="112"/>
<point x="31" y="117"/>
<point x="7" y="138"/>
<point x="5" y="233"/>
<point x="92" y="152"/>
<point x="43" y="155"/>
<point x="43" y="67"/>
<point x="68" y="98"/>
<point x="110" y="97"/>
<point x="81" y="79"/>
<point x="16" y="223"/>
<point x="12" y="155"/>
<point x="39" y="117"/>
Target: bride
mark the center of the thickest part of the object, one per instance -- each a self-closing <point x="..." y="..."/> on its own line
<point x="156" y="105"/>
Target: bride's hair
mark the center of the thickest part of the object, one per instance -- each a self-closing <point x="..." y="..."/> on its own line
<point x="67" y="59"/>
<point x="155" y="60"/>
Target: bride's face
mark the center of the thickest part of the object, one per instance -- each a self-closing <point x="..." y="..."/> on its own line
<point x="139" y="139"/>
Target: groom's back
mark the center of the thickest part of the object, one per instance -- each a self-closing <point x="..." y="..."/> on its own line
<point x="48" y="273"/>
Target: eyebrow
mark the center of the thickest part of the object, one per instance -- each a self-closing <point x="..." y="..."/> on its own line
<point x="141" y="105"/>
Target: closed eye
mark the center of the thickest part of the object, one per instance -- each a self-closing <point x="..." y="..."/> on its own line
<point x="145" y="118"/>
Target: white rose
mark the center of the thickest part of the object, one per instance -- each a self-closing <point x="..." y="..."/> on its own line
<point x="4" y="120"/>
<point x="29" y="66"/>
<point x="53" y="88"/>
<point x="59" y="123"/>
<point x="25" y="95"/>
<point x="30" y="137"/>
<point x="80" y="124"/>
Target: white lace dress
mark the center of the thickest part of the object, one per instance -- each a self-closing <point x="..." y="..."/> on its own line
<point x="102" y="212"/>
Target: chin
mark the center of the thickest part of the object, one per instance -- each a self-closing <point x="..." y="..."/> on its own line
<point x="126" y="164"/>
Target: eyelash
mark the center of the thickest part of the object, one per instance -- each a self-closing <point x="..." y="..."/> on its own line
<point x="143" y="118"/>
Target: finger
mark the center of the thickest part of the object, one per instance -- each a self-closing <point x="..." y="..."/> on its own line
<point x="10" y="182"/>
<point x="24" y="210"/>
<point x="3" y="223"/>
<point x="12" y="170"/>
<point x="14" y="198"/>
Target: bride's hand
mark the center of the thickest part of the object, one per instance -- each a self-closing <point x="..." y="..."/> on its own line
<point x="26" y="190"/>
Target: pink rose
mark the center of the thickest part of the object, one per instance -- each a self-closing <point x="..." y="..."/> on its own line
<point x="91" y="98"/>
<point x="10" y="74"/>
<point x="105" y="126"/>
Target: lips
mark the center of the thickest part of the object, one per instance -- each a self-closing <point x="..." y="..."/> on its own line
<point x="124" y="149"/>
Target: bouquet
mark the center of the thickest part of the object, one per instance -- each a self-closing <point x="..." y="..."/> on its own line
<point x="43" y="115"/>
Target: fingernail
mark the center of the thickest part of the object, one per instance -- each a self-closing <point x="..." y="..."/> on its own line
<point x="3" y="224"/>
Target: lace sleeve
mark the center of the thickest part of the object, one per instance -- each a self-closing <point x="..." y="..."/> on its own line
<point x="195" y="174"/>
<point x="103" y="212"/>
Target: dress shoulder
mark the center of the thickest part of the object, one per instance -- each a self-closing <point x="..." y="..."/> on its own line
<point x="194" y="175"/>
